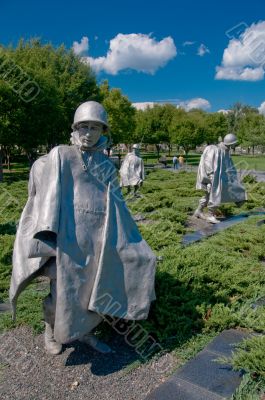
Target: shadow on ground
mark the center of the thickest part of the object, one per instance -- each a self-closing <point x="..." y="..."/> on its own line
<point x="8" y="229"/>
<point x="103" y="364"/>
<point x="14" y="176"/>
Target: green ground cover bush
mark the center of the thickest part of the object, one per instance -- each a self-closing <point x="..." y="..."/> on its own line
<point x="247" y="162"/>
<point x="201" y="289"/>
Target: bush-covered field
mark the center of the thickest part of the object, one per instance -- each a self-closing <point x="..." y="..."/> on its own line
<point x="201" y="289"/>
<point x="247" y="162"/>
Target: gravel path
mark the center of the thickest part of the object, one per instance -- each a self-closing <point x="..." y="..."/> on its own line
<point x="79" y="373"/>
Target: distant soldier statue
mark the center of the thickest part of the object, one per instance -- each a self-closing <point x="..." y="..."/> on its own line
<point x="132" y="170"/>
<point x="76" y="230"/>
<point x="217" y="176"/>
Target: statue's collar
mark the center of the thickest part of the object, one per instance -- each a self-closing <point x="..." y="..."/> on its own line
<point x="99" y="146"/>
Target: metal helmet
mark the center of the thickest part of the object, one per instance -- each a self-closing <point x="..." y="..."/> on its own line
<point x="136" y="146"/>
<point x="90" y="111"/>
<point x="230" y="139"/>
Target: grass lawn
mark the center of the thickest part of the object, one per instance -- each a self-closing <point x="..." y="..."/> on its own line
<point x="247" y="162"/>
<point x="201" y="289"/>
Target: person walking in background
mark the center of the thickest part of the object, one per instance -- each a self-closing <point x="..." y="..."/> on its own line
<point x="181" y="161"/>
<point x="175" y="162"/>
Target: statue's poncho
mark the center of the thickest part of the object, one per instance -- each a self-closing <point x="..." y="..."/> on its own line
<point x="217" y="169"/>
<point x="76" y="213"/>
<point x="132" y="170"/>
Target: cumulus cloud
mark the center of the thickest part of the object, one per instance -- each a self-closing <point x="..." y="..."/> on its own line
<point x="223" y="111"/>
<point x="143" y="105"/>
<point x="202" y="50"/>
<point x="197" y="102"/>
<point x="240" y="74"/>
<point x="188" y="105"/>
<point x="262" y="108"/>
<point x="82" y="47"/>
<point x="244" y="56"/>
<point x="136" y="51"/>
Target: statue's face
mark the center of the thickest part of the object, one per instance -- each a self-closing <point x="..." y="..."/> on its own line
<point x="89" y="133"/>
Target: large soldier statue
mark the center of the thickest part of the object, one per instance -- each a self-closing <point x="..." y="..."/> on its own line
<point x="77" y="230"/>
<point x="217" y="176"/>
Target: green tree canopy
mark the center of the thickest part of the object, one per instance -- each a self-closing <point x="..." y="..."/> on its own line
<point x="251" y="130"/>
<point x="61" y="82"/>
<point x="121" y="114"/>
<point x="187" y="129"/>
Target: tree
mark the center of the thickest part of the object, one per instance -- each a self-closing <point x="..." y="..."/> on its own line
<point x="153" y="123"/>
<point x="251" y="130"/>
<point x="10" y="116"/>
<point x="121" y="114"/>
<point x="216" y="127"/>
<point x="187" y="129"/>
<point x="237" y="112"/>
<point x="43" y="86"/>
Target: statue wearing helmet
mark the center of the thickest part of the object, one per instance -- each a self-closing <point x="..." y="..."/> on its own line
<point x="76" y="230"/>
<point x="132" y="170"/>
<point x="217" y="176"/>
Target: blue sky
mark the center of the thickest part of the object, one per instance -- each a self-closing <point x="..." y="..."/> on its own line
<point x="160" y="61"/>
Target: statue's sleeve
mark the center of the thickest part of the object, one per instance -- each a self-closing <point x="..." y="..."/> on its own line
<point x="31" y="183"/>
<point x="114" y="182"/>
<point x="142" y="170"/>
<point x="209" y="161"/>
<point x="50" y="197"/>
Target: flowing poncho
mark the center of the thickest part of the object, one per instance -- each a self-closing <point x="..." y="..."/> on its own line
<point x="217" y="170"/>
<point x="132" y="170"/>
<point x="75" y="212"/>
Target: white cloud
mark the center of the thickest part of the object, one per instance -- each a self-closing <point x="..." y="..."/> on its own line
<point x="223" y="111"/>
<point x="82" y="47"/>
<point x="262" y="108"/>
<point x="144" y="105"/>
<point x="188" y="105"/>
<point x="240" y="74"/>
<point x="134" y="51"/>
<point x="202" y="50"/>
<point x="244" y="57"/>
<point x="197" y="102"/>
<point x="187" y="43"/>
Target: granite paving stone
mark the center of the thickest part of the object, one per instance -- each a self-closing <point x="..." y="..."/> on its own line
<point x="178" y="389"/>
<point x="226" y="341"/>
<point x="203" y="377"/>
<point x="206" y="372"/>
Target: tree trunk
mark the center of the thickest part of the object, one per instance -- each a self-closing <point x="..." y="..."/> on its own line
<point x="186" y="151"/>
<point x="8" y="161"/>
<point x="1" y="167"/>
<point x="158" y="150"/>
<point x="32" y="156"/>
<point x="253" y="150"/>
<point x="119" y="157"/>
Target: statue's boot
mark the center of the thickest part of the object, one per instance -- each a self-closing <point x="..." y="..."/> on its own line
<point x="51" y="345"/>
<point x="199" y="213"/>
<point x="95" y="343"/>
<point x="212" y="218"/>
